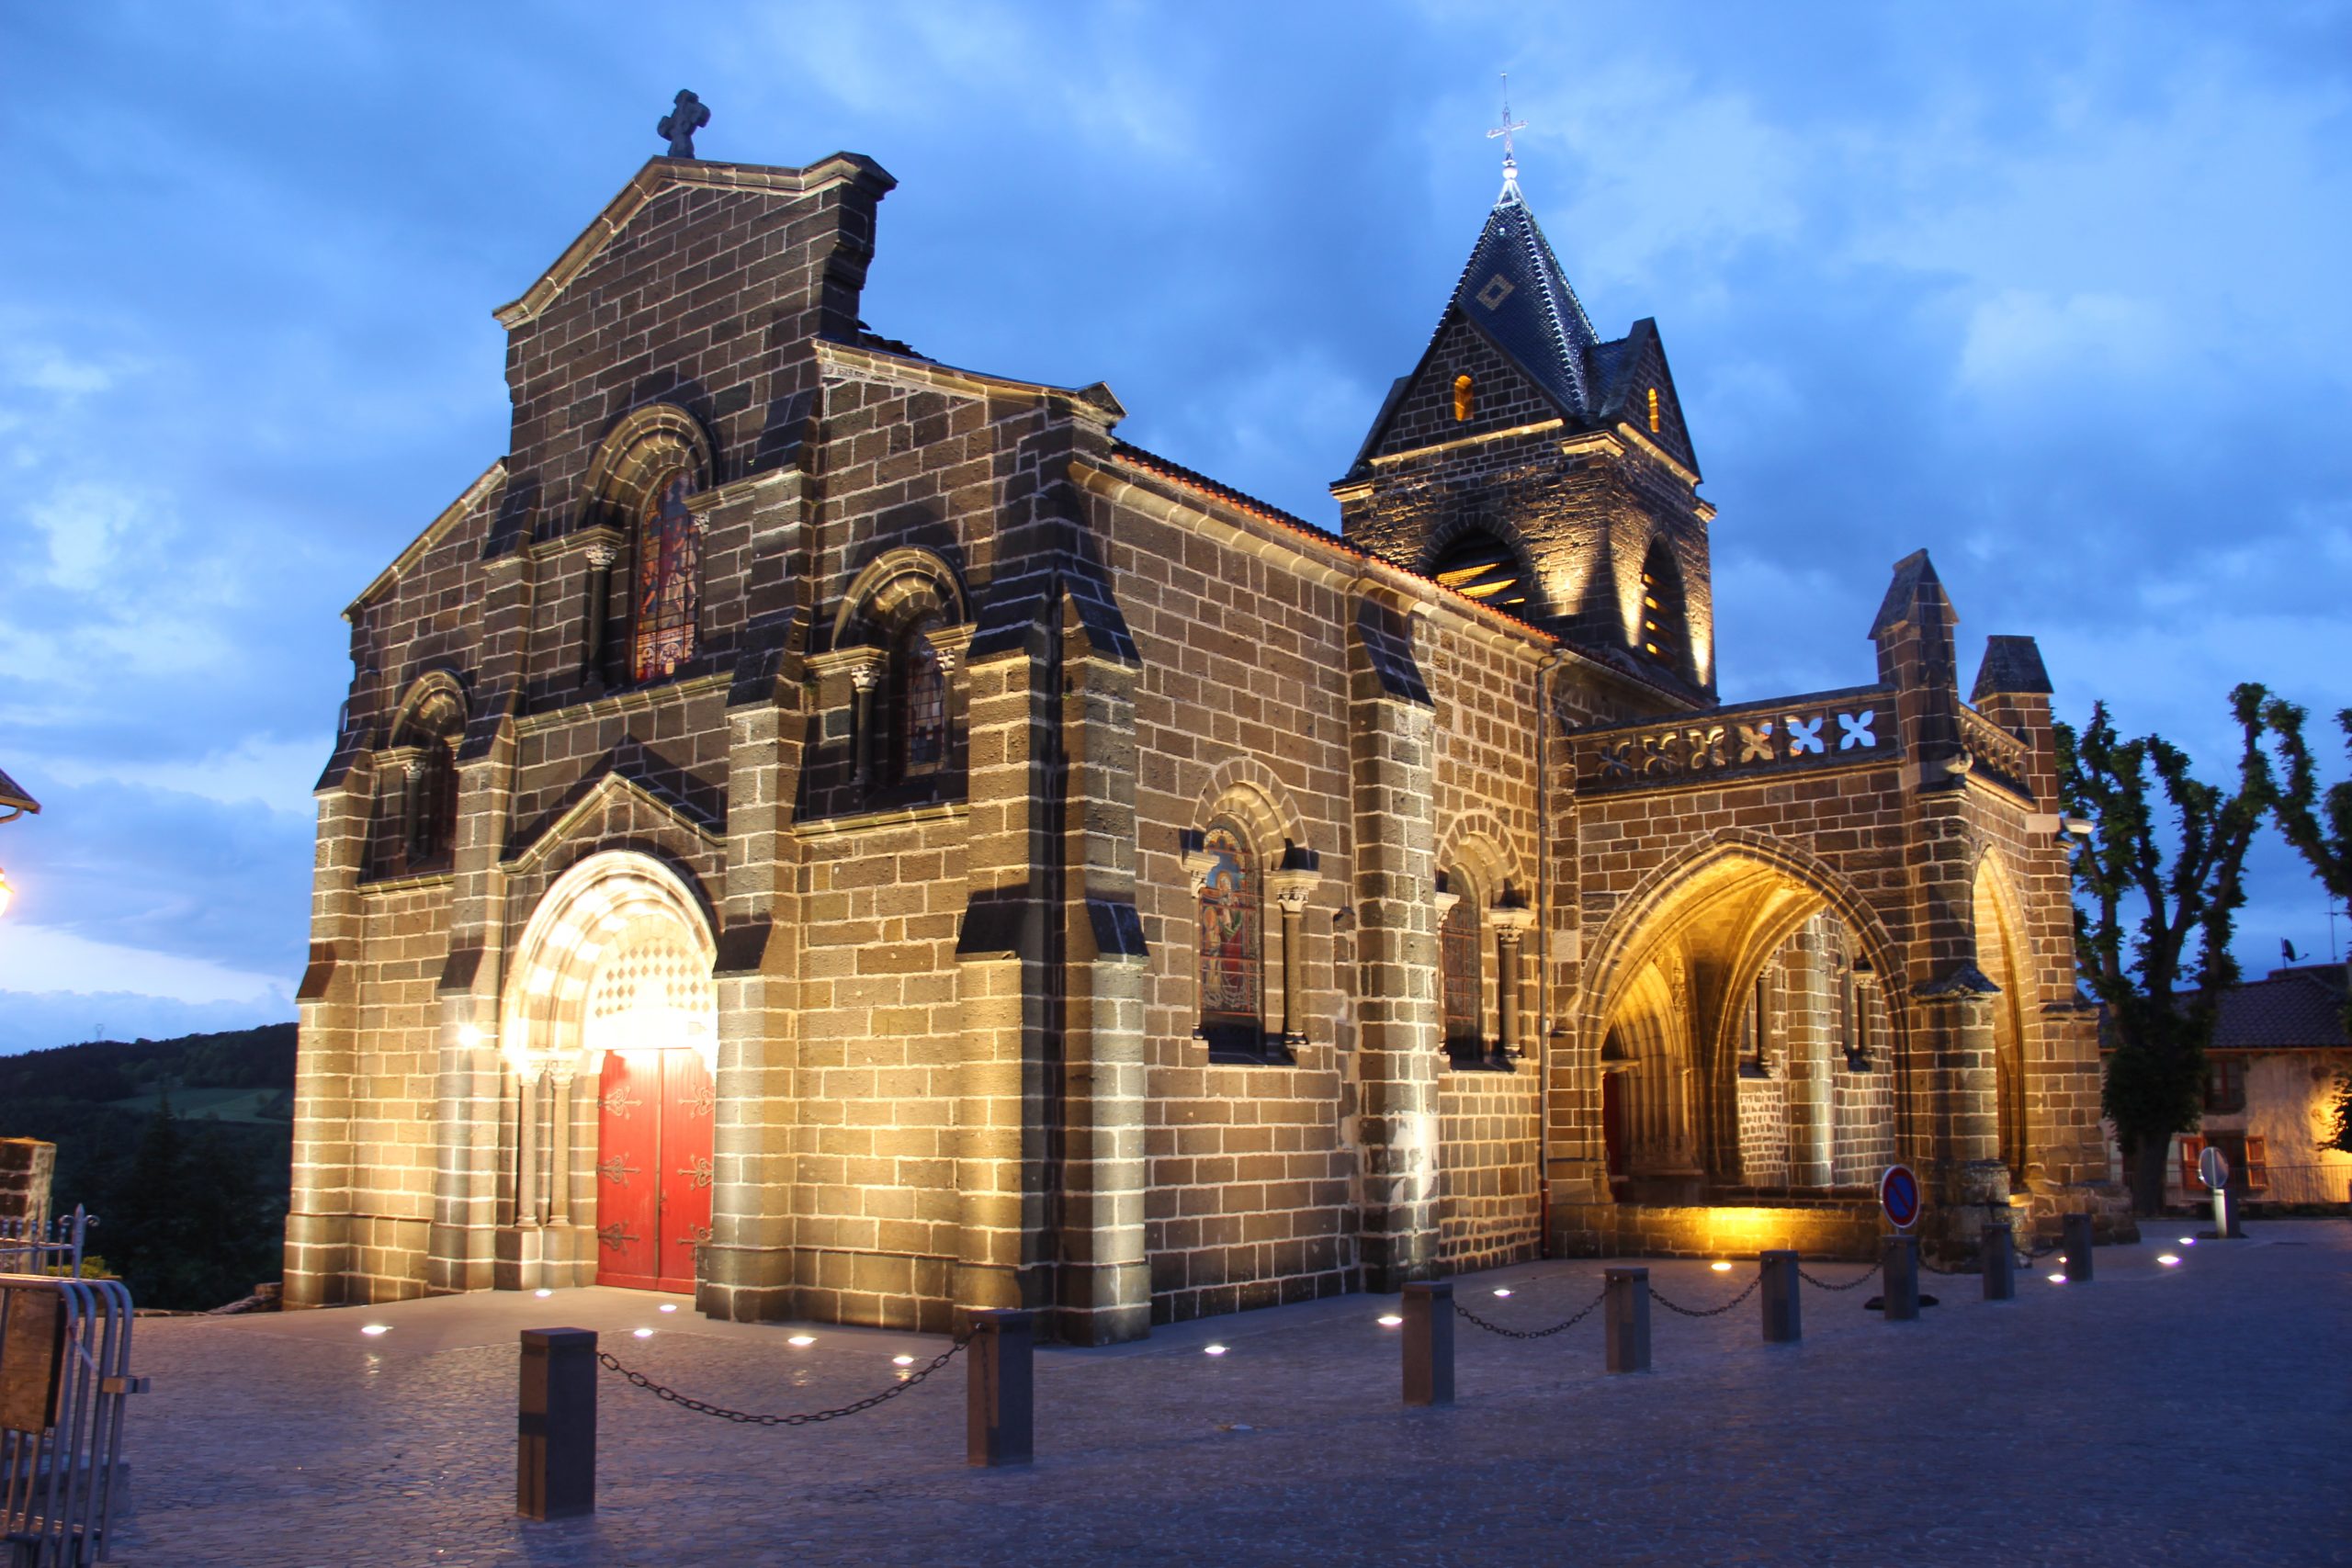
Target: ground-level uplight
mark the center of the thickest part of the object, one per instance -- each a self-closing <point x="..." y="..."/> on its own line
<point x="802" y="1339"/>
<point x="543" y="1292"/>
<point x="2188" y="1241"/>
<point x="1502" y="1290"/>
<point x="902" y="1360"/>
<point x="375" y="1328"/>
<point x="644" y="1333"/>
<point x="2168" y="1259"/>
<point x="1390" y="1320"/>
<point x="669" y="1306"/>
<point x="1212" y="1349"/>
<point x="2055" y="1278"/>
<point x="1720" y="1267"/>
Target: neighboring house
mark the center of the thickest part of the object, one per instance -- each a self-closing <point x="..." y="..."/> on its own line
<point x="2278" y="1048"/>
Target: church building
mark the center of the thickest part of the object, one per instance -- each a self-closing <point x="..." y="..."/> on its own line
<point x="850" y="838"/>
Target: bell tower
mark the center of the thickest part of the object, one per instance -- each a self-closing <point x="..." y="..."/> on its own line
<point x="1541" y="471"/>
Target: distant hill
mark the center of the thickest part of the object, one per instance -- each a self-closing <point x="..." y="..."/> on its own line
<point x="191" y="1207"/>
<point x="111" y="1071"/>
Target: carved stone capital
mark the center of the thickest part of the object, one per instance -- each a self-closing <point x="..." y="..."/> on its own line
<point x="1512" y="921"/>
<point x="1197" y="866"/>
<point x="602" y="557"/>
<point x="1293" y="889"/>
<point x="1445" y="903"/>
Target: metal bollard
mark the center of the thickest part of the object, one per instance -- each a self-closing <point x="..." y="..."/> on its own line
<point x="1899" y="1278"/>
<point x="1429" y="1344"/>
<point x="1628" y="1315"/>
<point x="999" y="1402"/>
<point x="2077" y="1253"/>
<point x="555" y="1425"/>
<point x="2000" y="1262"/>
<point x="1783" y="1316"/>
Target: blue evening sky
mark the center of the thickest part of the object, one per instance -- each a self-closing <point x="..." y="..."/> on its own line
<point x="2056" y="292"/>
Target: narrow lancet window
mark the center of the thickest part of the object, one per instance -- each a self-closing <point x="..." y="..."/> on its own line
<point x="669" y="567"/>
<point x="1465" y="995"/>
<point x="1466" y="399"/>
<point x="1231" y="956"/>
<point x="919" y="699"/>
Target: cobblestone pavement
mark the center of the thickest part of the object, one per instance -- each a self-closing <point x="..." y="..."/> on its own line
<point x="2190" y="1415"/>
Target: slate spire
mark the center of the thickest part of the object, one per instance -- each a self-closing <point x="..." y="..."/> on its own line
<point x="1514" y="290"/>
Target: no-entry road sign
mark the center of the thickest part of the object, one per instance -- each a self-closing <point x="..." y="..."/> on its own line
<point x="2213" y="1169"/>
<point x="1898" y="1194"/>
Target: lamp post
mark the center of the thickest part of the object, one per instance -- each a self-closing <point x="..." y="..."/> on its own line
<point x="14" y="802"/>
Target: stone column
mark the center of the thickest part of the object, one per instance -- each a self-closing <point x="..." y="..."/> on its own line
<point x="1808" y="1025"/>
<point x="1000" y="985"/>
<point x="1511" y="923"/>
<point x="600" y="596"/>
<point x="1392" y="747"/>
<point x="749" y="1269"/>
<point x="527" y="1147"/>
<point x="1292" y="886"/>
<point x="560" y="1147"/>
<point x="318" y="1220"/>
<point x="863" y="678"/>
<point x="1104" y="1290"/>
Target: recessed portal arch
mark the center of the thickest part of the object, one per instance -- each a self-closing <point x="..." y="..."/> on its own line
<point x="611" y="984"/>
<point x="1744" y="1042"/>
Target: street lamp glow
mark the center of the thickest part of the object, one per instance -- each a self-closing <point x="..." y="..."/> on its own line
<point x="6" y="893"/>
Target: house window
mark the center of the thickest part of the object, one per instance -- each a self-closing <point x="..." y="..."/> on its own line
<point x="918" y="702"/>
<point x="1465" y="1004"/>
<point x="669" y="567"/>
<point x="1466" y="399"/>
<point x="2224" y="1085"/>
<point x="1231" y="950"/>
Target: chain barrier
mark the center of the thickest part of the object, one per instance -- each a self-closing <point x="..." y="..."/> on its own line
<point x="1826" y="1285"/>
<point x="1710" y="1312"/>
<point x="799" y="1418"/>
<point x="1461" y="1310"/>
<point x="1949" y="1273"/>
<point x="2029" y="1256"/>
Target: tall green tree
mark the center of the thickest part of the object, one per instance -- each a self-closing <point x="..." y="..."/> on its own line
<point x="2158" y="904"/>
<point x="2317" y="821"/>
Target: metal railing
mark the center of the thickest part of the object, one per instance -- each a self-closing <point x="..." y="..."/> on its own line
<point x="29" y="1246"/>
<point x="64" y="1372"/>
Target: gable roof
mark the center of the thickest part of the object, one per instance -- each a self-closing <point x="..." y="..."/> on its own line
<point x="2297" y="1007"/>
<point x="664" y="174"/>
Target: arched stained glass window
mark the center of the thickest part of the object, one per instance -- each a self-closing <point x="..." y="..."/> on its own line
<point x="919" y="701"/>
<point x="1232" y="963"/>
<point x="668" y="568"/>
<point x="1458" y="963"/>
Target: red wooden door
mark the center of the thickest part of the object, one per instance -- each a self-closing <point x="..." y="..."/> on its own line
<point x="688" y="1101"/>
<point x="1612" y="1122"/>
<point x="628" y="1171"/>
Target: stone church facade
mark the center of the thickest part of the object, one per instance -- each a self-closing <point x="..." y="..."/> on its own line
<point x="850" y="838"/>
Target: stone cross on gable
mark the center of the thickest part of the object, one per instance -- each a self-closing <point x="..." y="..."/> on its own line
<point x="680" y="123"/>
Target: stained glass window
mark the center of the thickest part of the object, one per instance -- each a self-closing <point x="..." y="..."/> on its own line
<point x="1458" y="961"/>
<point x="1231" y="962"/>
<point x="669" y="566"/>
<point x="919" y="697"/>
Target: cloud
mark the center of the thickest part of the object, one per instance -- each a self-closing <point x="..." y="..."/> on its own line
<point x="41" y="957"/>
<point x="36" y="1021"/>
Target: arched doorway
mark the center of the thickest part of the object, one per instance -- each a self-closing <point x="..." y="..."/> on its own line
<point x="612" y="987"/>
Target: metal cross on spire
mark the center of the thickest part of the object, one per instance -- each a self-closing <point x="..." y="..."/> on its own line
<point x="1510" y="160"/>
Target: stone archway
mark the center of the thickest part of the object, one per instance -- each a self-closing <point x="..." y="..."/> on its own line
<point x="1745" y="1051"/>
<point x="1999" y="954"/>
<point x="611" y="987"/>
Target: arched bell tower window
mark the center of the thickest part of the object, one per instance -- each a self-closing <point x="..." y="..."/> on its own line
<point x="918" y="701"/>
<point x="1663" y="634"/>
<point x="1481" y="566"/>
<point x="668" y="580"/>
<point x="1230" y="939"/>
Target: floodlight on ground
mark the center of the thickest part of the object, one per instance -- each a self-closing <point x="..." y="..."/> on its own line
<point x="802" y="1339"/>
<point x="2055" y="1278"/>
<point x="902" y="1360"/>
<point x="1720" y="1267"/>
<point x="669" y="1306"/>
<point x="2168" y="1259"/>
<point x="1502" y="1290"/>
<point x="644" y="1333"/>
<point x="1390" y="1320"/>
<point x="542" y="1291"/>
<point x="375" y="1328"/>
<point x="1212" y="1349"/>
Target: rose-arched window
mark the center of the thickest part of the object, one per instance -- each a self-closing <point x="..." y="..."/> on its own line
<point x="667" y="582"/>
<point x="1231" y="943"/>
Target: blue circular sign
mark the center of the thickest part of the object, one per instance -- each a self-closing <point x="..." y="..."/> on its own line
<point x="1898" y="1194"/>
